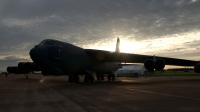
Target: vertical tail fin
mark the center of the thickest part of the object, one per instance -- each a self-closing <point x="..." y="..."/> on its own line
<point x="117" y="45"/>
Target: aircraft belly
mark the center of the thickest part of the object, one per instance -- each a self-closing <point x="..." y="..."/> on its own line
<point x="106" y="67"/>
<point x="76" y="66"/>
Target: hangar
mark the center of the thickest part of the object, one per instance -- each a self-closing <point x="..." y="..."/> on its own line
<point x="132" y="69"/>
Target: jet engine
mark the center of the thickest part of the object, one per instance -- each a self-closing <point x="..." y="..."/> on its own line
<point x="23" y="68"/>
<point x="9" y="69"/>
<point x="28" y="66"/>
<point x="21" y="65"/>
<point x="197" y="68"/>
<point x="149" y="64"/>
<point x="31" y="66"/>
<point x="12" y="69"/>
<point x="15" y="69"/>
<point x="158" y="64"/>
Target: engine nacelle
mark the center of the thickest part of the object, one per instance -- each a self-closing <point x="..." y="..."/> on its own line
<point x="9" y="69"/>
<point x="16" y="70"/>
<point x="197" y="68"/>
<point x="21" y="65"/>
<point x="31" y="66"/>
<point x="159" y="64"/>
<point x="149" y="64"/>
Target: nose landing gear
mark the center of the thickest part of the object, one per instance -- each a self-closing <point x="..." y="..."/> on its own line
<point x="73" y="78"/>
<point x="89" y="78"/>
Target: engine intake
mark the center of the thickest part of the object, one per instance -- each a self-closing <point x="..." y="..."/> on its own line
<point x="158" y="64"/>
<point x="21" y="65"/>
<point x="28" y="66"/>
<point x="16" y="70"/>
<point x="9" y="69"/>
<point x="149" y="64"/>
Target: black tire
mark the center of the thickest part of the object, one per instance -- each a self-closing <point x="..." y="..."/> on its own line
<point x="109" y="77"/>
<point x="102" y="76"/>
<point x="76" y="79"/>
<point x="98" y="76"/>
<point x="91" y="79"/>
<point x="86" y="79"/>
<point x="113" y="77"/>
<point x="70" y="79"/>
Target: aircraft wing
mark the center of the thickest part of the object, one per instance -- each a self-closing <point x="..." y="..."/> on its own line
<point x="108" y="56"/>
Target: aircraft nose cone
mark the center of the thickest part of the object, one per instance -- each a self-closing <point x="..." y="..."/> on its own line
<point x="38" y="54"/>
<point x="33" y="53"/>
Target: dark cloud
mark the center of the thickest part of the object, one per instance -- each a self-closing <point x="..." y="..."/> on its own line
<point x="14" y="59"/>
<point x="25" y="23"/>
<point x="92" y="20"/>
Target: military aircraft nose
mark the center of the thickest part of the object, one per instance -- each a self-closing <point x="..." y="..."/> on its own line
<point x="33" y="53"/>
<point x="38" y="54"/>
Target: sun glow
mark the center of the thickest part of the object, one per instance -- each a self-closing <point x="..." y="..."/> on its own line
<point x="170" y="45"/>
<point x="126" y="46"/>
<point x="129" y="46"/>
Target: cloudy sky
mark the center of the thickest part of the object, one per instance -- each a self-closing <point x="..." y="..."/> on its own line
<point x="168" y="28"/>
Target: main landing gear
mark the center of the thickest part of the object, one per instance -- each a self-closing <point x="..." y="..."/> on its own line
<point x="89" y="78"/>
<point x="73" y="78"/>
<point x="100" y="76"/>
<point x="111" y="76"/>
<point x="26" y="76"/>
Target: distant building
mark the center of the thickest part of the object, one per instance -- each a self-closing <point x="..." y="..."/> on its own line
<point x="132" y="69"/>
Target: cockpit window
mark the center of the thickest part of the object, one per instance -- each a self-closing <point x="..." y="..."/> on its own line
<point x="49" y="43"/>
<point x="42" y="43"/>
<point x="59" y="44"/>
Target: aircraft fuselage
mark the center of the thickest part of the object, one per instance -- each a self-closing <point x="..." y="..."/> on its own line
<point x="55" y="57"/>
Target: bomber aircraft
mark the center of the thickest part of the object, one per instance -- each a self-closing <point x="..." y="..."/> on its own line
<point x="53" y="57"/>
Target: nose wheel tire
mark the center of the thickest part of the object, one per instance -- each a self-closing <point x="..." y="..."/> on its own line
<point x="102" y="76"/>
<point x="70" y="79"/>
<point x="111" y="76"/>
<point x="89" y="78"/>
<point x="86" y="79"/>
<point x="73" y="78"/>
<point x="98" y="76"/>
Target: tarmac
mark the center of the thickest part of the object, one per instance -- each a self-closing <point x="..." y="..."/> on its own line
<point x="55" y="94"/>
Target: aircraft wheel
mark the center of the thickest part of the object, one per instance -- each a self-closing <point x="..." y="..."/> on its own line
<point x="113" y="77"/>
<point x="86" y="79"/>
<point x="92" y="80"/>
<point x="109" y="77"/>
<point x="98" y="76"/>
<point x="70" y="79"/>
<point x="102" y="77"/>
<point x="26" y="77"/>
<point x="76" y="79"/>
